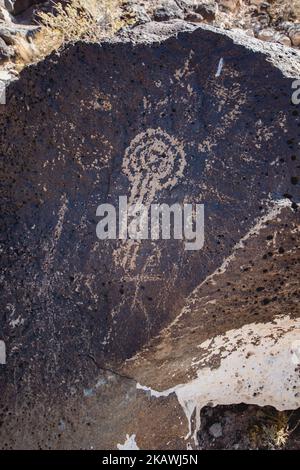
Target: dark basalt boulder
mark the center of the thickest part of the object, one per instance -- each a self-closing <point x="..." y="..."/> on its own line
<point x="76" y="132"/>
<point x="168" y="10"/>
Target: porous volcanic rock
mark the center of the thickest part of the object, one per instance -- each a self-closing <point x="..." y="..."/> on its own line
<point x="165" y="113"/>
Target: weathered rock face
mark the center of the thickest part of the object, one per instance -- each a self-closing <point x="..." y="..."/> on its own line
<point x="5" y="50"/>
<point x="168" y="10"/>
<point x="268" y="21"/>
<point x="165" y="114"/>
<point x="18" y="6"/>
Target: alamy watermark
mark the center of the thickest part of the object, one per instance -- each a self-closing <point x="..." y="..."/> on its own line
<point x="2" y="353"/>
<point x="5" y="77"/>
<point x="296" y="93"/>
<point x="155" y="221"/>
<point x="2" y="93"/>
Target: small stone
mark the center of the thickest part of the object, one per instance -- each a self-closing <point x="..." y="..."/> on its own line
<point x="250" y="33"/>
<point x="206" y="10"/>
<point x="231" y="5"/>
<point x="138" y="12"/>
<point x="216" y="430"/>
<point x="193" y="17"/>
<point x="264" y="5"/>
<point x="264" y="19"/>
<point x="283" y="39"/>
<point x="266" y="35"/>
<point x="2" y="13"/>
<point x="286" y="25"/>
<point x="294" y="35"/>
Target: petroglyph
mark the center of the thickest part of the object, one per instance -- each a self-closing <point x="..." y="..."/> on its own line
<point x="154" y="161"/>
<point x="147" y="119"/>
<point x="50" y="250"/>
<point x="227" y="121"/>
<point x="185" y="70"/>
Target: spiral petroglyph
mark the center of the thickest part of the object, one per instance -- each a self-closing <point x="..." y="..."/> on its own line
<point x="153" y="161"/>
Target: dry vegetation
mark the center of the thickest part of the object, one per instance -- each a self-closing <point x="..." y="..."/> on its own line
<point x="89" y="20"/>
<point x="286" y="10"/>
<point x="95" y="19"/>
<point x="273" y="432"/>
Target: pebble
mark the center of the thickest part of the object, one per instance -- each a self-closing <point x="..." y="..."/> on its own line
<point x="266" y="35"/>
<point x="216" y="430"/>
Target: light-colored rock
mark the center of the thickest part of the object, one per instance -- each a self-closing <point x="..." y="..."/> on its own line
<point x="9" y="32"/>
<point x="231" y="5"/>
<point x="168" y="10"/>
<point x="193" y="17"/>
<point x="5" y="51"/>
<point x="294" y="34"/>
<point x="282" y="38"/>
<point x="138" y="12"/>
<point x="250" y="33"/>
<point x="216" y="430"/>
<point x="264" y="19"/>
<point x="207" y="10"/>
<point x="286" y="25"/>
<point x="266" y="35"/>
<point x="4" y="75"/>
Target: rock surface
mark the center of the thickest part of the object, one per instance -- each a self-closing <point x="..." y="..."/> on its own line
<point x="274" y="22"/>
<point x="5" y="50"/>
<point x="104" y="336"/>
<point x="167" y="10"/>
<point x="18" y="6"/>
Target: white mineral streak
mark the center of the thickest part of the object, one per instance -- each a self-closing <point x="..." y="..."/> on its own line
<point x="257" y="366"/>
<point x="220" y="67"/>
<point x="129" y="444"/>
